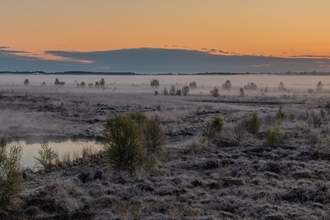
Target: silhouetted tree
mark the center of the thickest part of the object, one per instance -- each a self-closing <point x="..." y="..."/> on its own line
<point x="185" y="90"/>
<point x="102" y="82"/>
<point x="26" y="82"/>
<point x="281" y="86"/>
<point x="193" y="85"/>
<point x="227" y="85"/>
<point x="154" y="83"/>
<point x="241" y="92"/>
<point x="250" y="86"/>
<point x="215" y="92"/>
<point x="319" y="86"/>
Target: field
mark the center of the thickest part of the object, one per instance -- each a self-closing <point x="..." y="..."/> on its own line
<point x="232" y="175"/>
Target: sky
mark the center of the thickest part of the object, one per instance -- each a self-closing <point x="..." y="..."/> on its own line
<point x="284" y="29"/>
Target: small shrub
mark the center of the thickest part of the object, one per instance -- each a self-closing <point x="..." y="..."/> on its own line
<point x="291" y="117"/>
<point x="239" y="132"/>
<point x="215" y="92"/>
<point x="212" y="127"/>
<point x="10" y="179"/>
<point x="185" y="90"/>
<point x="43" y="83"/>
<point x="318" y="120"/>
<point x="154" y="83"/>
<point x="323" y="113"/>
<point x="154" y="135"/>
<point x="327" y="107"/>
<point x="57" y="82"/>
<point x="280" y="115"/>
<point x="156" y="92"/>
<point x="324" y="147"/>
<point x="178" y="92"/>
<point x="46" y="156"/>
<point x="314" y="120"/>
<point x="97" y="84"/>
<point x="312" y="139"/>
<point x="123" y="141"/>
<point x="254" y="124"/>
<point x="151" y="164"/>
<point x="199" y="145"/>
<point x="274" y="136"/>
<point x="90" y="85"/>
<point x="82" y="84"/>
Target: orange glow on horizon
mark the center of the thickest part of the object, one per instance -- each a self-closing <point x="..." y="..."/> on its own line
<point x="257" y="27"/>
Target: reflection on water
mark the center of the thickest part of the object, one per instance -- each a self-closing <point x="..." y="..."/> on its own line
<point x="73" y="148"/>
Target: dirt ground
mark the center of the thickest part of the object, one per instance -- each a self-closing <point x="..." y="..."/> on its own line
<point x="223" y="177"/>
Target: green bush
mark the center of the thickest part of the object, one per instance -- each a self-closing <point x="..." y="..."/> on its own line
<point x="318" y="120"/>
<point x="46" y="156"/>
<point x="314" y="120"/>
<point x="274" y="135"/>
<point x="280" y="115"/>
<point x="212" y="127"/>
<point x="239" y="132"/>
<point x="140" y="118"/>
<point x="254" y="124"/>
<point x="10" y="178"/>
<point x="123" y="141"/>
<point x="154" y="135"/>
<point x="152" y="131"/>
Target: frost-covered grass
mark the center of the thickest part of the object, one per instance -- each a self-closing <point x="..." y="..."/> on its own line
<point x="219" y="178"/>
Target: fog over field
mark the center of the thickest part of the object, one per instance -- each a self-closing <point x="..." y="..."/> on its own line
<point x="277" y="170"/>
<point x="263" y="80"/>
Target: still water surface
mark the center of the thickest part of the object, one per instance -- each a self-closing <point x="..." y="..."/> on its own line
<point x="31" y="150"/>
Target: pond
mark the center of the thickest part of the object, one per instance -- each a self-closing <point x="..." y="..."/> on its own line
<point x="71" y="149"/>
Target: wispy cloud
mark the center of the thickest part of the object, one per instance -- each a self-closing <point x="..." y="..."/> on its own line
<point x="156" y="60"/>
<point x="310" y="56"/>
